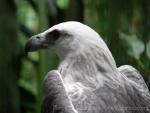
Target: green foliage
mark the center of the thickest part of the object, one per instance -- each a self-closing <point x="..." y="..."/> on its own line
<point x="63" y="4"/>
<point x="34" y="56"/>
<point x="26" y="15"/>
<point x="135" y="47"/>
<point x="148" y="49"/>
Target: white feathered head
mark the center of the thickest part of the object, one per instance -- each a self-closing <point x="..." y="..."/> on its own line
<point x="80" y="46"/>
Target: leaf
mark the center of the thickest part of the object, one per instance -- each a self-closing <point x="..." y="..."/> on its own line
<point x="26" y="14"/>
<point x="134" y="45"/>
<point x="26" y="85"/>
<point x="148" y="49"/>
<point x="34" y="56"/>
<point x="27" y="80"/>
<point x="63" y="4"/>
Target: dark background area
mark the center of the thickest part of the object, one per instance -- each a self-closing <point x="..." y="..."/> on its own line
<point x="123" y="24"/>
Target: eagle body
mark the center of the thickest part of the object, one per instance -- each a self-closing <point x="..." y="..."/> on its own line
<point x="87" y="79"/>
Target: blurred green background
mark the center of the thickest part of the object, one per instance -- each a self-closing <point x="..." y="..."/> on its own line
<point x="123" y="24"/>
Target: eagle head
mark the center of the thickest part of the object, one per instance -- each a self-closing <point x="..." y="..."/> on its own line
<point x="66" y="38"/>
<point x="84" y="52"/>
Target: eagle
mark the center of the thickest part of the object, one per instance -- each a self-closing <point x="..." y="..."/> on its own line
<point x="87" y="79"/>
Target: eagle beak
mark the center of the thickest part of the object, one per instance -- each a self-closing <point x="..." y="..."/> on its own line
<point x="35" y="43"/>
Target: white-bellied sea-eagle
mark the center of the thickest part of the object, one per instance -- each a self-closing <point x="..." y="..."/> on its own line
<point x="87" y="79"/>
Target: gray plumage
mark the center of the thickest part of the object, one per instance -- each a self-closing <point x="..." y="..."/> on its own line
<point x="87" y="79"/>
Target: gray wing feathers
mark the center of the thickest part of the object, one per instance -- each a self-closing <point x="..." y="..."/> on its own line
<point x="132" y="74"/>
<point x="139" y="85"/>
<point x="55" y="98"/>
<point x="103" y="100"/>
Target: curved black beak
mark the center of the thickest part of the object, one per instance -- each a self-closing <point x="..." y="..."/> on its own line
<point x="36" y="43"/>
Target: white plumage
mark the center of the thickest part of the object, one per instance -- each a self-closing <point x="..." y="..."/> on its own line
<point x="88" y="74"/>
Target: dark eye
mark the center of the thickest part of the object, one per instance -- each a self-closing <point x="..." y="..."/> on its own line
<point x="53" y="35"/>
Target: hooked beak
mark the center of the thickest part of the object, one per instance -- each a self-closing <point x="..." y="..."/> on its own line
<point x="35" y="43"/>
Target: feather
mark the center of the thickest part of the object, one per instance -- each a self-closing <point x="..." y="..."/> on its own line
<point x="87" y="79"/>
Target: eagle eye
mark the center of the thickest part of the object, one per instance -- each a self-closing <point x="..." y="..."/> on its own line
<point x="53" y="35"/>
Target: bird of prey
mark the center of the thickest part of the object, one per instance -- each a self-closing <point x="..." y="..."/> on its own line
<point x="87" y="79"/>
